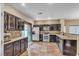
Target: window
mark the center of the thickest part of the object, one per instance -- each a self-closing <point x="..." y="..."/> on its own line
<point x="74" y="29"/>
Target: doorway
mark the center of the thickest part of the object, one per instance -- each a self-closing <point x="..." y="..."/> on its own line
<point x="27" y="32"/>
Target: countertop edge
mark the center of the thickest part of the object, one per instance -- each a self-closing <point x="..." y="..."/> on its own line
<point x="64" y="37"/>
<point x="15" y="39"/>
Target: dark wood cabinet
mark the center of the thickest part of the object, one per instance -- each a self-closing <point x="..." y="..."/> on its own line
<point x="16" y="23"/>
<point x="26" y="43"/>
<point x="52" y="27"/>
<point x="55" y="27"/>
<point x="53" y="38"/>
<point x="16" y="48"/>
<point x="40" y="37"/>
<point x="41" y="28"/>
<point x="5" y="21"/>
<point x="12" y="22"/>
<point x="70" y="50"/>
<point x="8" y="49"/>
<point x="67" y="47"/>
<point x="20" y="25"/>
<point x="22" y="46"/>
<point x="59" y="27"/>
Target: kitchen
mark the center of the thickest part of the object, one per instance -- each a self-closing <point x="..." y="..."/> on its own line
<point x="23" y="34"/>
<point x="64" y="40"/>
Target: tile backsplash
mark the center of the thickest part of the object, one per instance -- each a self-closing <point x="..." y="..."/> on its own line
<point x="14" y="34"/>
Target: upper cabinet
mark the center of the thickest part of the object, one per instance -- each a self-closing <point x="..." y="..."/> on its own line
<point x="51" y="27"/>
<point x="12" y="22"/>
<point x="56" y="27"/>
<point x="5" y="21"/>
<point x="19" y="24"/>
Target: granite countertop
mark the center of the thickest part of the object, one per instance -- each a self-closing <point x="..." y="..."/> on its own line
<point x="15" y="39"/>
<point x="65" y="37"/>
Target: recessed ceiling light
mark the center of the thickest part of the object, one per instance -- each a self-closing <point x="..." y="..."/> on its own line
<point x="23" y="4"/>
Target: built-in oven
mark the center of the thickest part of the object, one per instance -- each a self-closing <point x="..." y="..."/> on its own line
<point x="46" y="37"/>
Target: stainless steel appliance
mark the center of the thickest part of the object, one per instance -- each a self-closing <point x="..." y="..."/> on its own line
<point x="46" y="37"/>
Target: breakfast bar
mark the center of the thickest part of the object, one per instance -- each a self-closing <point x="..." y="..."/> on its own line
<point x="67" y="44"/>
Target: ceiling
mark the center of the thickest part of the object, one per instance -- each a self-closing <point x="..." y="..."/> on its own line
<point x="40" y="11"/>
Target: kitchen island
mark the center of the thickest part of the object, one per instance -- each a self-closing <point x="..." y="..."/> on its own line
<point x="67" y="44"/>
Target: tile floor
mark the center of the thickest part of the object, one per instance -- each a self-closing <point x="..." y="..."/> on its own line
<point x="43" y="49"/>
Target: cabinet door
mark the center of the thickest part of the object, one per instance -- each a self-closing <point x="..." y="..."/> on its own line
<point x="22" y="45"/>
<point x="17" y="23"/>
<point x="58" y="27"/>
<point x="5" y="21"/>
<point x="26" y="43"/>
<point x="20" y="25"/>
<point x="8" y="49"/>
<point x="41" y="37"/>
<point x="70" y="50"/>
<point x="52" y="38"/>
<point x="16" y="48"/>
<point x="51" y="28"/>
<point x="41" y="28"/>
<point x="11" y="22"/>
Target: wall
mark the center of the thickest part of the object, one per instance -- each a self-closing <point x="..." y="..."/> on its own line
<point x="1" y="31"/>
<point x="72" y="22"/>
<point x="46" y="22"/>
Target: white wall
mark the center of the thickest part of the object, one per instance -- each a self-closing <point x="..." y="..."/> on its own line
<point x="1" y="30"/>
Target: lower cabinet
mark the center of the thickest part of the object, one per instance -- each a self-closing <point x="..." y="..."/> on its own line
<point x="26" y="44"/>
<point x="70" y="49"/>
<point x="8" y="49"/>
<point x="16" y="48"/>
<point x="52" y="38"/>
<point x="22" y="46"/>
<point x="41" y="37"/>
<point x="67" y="47"/>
